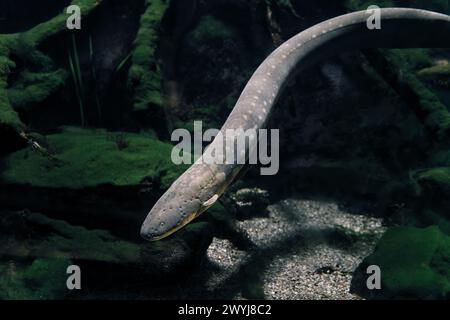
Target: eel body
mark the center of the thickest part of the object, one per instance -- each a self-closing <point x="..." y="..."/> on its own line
<point x="202" y="184"/>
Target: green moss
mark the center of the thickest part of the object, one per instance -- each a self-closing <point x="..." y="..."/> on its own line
<point x="8" y="117"/>
<point x="410" y="59"/>
<point x="222" y="221"/>
<point x="197" y="226"/>
<point x="435" y="114"/>
<point x="84" y="158"/>
<point x="220" y="215"/>
<point x="30" y="235"/>
<point x="414" y="262"/>
<point x="438" y="75"/>
<point x="25" y="45"/>
<point x="57" y="24"/>
<point x="404" y="65"/>
<point x="145" y="74"/>
<point x="432" y="193"/>
<point x="435" y="179"/>
<point x="56" y="245"/>
<point x="35" y="87"/>
<point x="58" y="239"/>
<point x="437" y="117"/>
<point x="36" y="250"/>
<point x="32" y="282"/>
<point x="210" y="29"/>
<point x="431" y="217"/>
<point x="409" y="62"/>
<point x="80" y="243"/>
<point x="442" y="70"/>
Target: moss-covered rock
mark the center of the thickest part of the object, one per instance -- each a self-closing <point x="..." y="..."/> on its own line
<point x="41" y="279"/>
<point x="407" y="256"/>
<point x="35" y="87"/>
<point x="433" y="200"/>
<point x="49" y="238"/>
<point x="437" y="75"/>
<point x="440" y="70"/>
<point x="78" y="174"/>
<point x="250" y="201"/>
<point x="29" y="235"/>
<point x="145" y="74"/>
<point x="414" y="263"/>
<point x="84" y="158"/>
<point x="435" y="180"/>
<point x="8" y="116"/>
<point x="37" y="250"/>
<point x="57" y="24"/>
<point x="401" y="68"/>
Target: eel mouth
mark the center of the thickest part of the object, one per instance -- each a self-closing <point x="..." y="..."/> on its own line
<point x="152" y="237"/>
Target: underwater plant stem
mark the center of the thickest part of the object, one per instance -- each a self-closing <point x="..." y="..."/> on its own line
<point x="77" y="65"/>
<point x="75" y="70"/>
<point x="94" y="78"/>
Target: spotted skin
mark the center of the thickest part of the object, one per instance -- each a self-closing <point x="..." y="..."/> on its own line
<point x="197" y="188"/>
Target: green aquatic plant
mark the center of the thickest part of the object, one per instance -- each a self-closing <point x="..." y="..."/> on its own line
<point x="75" y="69"/>
<point x="94" y="78"/>
<point x="123" y="62"/>
<point x="77" y="76"/>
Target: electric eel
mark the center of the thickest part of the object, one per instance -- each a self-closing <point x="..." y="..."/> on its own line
<point x="199" y="187"/>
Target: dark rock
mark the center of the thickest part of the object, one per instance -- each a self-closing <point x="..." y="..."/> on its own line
<point x="29" y="237"/>
<point x="250" y="202"/>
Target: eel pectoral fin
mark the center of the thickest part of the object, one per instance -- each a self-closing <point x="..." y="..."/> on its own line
<point x="208" y="203"/>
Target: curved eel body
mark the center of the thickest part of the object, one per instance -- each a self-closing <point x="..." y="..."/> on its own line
<point x="202" y="184"/>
